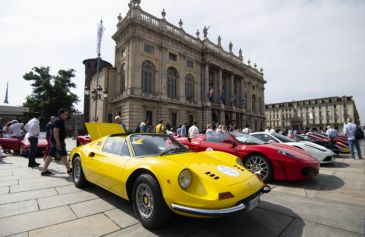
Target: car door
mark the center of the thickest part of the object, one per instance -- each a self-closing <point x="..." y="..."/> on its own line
<point x="10" y="143"/>
<point x="219" y="141"/>
<point x="108" y="164"/>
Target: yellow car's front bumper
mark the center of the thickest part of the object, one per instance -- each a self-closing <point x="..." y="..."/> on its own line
<point x="245" y="205"/>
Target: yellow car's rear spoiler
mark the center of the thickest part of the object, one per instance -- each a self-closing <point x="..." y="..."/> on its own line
<point x="98" y="130"/>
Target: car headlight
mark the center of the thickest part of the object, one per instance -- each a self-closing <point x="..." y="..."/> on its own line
<point x="287" y="154"/>
<point x="185" y="178"/>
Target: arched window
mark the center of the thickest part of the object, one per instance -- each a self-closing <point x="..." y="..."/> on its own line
<point x="254" y="104"/>
<point x="189" y="87"/>
<point x="122" y="79"/>
<point x="171" y="82"/>
<point x="148" y="77"/>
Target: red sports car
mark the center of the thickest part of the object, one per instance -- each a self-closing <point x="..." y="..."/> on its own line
<point x="21" y="146"/>
<point x="339" y="142"/>
<point x="276" y="161"/>
<point x="82" y="140"/>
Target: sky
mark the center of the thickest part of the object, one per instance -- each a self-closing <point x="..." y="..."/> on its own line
<point x="307" y="48"/>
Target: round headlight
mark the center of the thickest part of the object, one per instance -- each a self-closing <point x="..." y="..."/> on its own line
<point x="185" y="178"/>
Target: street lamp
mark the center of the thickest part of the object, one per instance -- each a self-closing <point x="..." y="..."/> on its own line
<point x="96" y="94"/>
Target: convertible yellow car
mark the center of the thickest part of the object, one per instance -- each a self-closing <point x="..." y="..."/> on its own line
<point x="160" y="176"/>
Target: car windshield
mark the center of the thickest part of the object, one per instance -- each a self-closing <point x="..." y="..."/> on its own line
<point x="153" y="144"/>
<point x="244" y="138"/>
<point x="282" y="137"/>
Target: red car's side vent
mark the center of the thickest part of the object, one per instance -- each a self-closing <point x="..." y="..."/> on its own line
<point x="212" y="175"/>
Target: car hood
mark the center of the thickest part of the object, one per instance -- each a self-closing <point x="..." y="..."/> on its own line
<point x="99" y="130"/>
<point x="315" y="146"/>
<point x="216" y="166"/>
<point x="292" y="150"/>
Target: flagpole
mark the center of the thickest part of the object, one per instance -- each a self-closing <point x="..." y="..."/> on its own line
<point x="100" y="35"/>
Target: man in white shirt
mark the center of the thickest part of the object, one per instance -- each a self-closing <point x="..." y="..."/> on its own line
<point x="16" y="129"/>
<point x="144" y="126"/>
<point x="247" y="130"/>
<point x="193" y="131"/>
<point x="32" y="127"/>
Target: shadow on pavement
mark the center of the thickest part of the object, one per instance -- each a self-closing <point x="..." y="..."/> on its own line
<point x="320" y="182"/>
<point x="336" y="164"/>
<point x="266" y="220"/>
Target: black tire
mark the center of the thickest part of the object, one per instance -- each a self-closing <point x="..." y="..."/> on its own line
<point x="78" y="174"/>
<point x="259" y="165"/>
<point x="148" y="204"/>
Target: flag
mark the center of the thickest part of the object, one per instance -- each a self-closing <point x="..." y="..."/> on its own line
<point x="100" y="32"/>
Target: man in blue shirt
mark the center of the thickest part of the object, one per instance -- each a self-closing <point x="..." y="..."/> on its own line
<point x="350" y="130"/>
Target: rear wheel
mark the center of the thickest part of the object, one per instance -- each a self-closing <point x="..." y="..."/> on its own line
<point x="148" y="203"/>
<point x="78" y="174"/>
<point x="259" y="165"/>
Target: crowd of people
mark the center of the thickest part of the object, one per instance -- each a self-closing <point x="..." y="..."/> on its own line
<point x="56" y="135"/>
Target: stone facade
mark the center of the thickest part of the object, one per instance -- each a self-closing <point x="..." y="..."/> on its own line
<point x="162" y="72"/>
<point x="313" y="114"/>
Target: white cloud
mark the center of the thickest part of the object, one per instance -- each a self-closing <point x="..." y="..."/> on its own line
<point x="307" y="48"/>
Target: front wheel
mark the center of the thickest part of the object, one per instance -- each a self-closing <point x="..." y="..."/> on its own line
<point x="148" y="203"/>
<point x="259" y="165"/>
<point x="78" y="174"/>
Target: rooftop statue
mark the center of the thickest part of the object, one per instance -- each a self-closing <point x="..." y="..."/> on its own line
<point x="205" y="31"/>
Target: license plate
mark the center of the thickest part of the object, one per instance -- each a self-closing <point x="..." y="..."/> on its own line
<point x="253" y="203"/>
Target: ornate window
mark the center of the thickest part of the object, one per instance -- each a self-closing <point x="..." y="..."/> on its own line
<point x="189" y="87"/>
<point x="122" y="79"/>
<point x="190" y="63"/>
<point x="149" y="49"/>
<point x="171" y="82"/>
<point x="148" y="77"/>
<point x="172" y="56"/>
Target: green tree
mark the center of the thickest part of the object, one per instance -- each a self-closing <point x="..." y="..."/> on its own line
<point x="50" y="92"/>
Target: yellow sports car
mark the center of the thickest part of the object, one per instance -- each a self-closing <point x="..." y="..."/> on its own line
<point x="160" y="176"/>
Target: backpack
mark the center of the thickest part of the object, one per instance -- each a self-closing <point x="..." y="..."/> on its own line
<point x="359" y="134"/>
<point x="138" y="129"/>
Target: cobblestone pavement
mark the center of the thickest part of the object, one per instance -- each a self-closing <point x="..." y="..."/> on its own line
<point x="331" y="204"/>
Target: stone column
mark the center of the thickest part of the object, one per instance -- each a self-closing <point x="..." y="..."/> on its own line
<point x="198" y="86"/>
<point x="206" y="81"/>
<point x="223" y="117"/>
<point x="242" y="94"/>
<point x="220" y="84"/>
<point x="161" y="80"/>
<point x="207" y="114"/>
<point x="231" y="92"/>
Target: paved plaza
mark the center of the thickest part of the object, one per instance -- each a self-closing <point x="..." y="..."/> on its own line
<point x="331" y="204"/>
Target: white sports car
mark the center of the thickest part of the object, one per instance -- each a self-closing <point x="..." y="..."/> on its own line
<point x="321" y="153"/>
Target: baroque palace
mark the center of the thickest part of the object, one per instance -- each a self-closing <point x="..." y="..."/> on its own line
<point x="312" y="114"/>
<point x="163" y="73"/>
